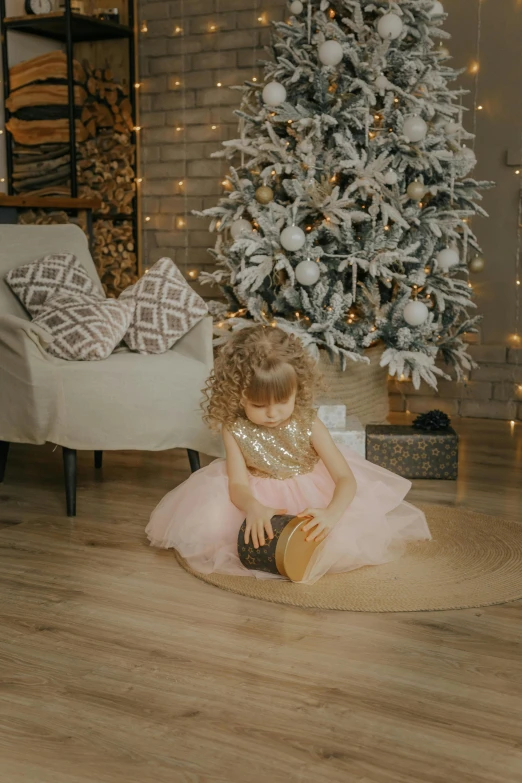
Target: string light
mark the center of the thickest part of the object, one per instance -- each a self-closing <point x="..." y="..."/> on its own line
<point x="193" y="274"/>
<point x="144" y="28"/>
<point x="136" y="128"/>
<point x="474" y="67"/>
<point x="212" y="28"/>
<point x="178" y="30"/>
<point x="219" y="84"/>
<point x="137" y="86"/>
<point x="331" y="13"/>
<point x="180" y="222"/>
<point x="214" y="127"/>
<point x="179" y="128"/>
<point x="480" y="108"/>
<point x="254" y="78"/>
<point x="177" y="83"/>
<point x="147" y="219"/>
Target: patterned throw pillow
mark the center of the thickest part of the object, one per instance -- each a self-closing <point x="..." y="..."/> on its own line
<point x="166" y="308"/>
<point x="83" y="328"/>
<point x="36" y="282"/>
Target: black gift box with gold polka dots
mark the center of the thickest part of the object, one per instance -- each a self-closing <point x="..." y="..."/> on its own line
<point x="413" y="453"/>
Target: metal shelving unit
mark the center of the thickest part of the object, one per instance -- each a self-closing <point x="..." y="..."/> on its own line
<point x="71" y="28"/>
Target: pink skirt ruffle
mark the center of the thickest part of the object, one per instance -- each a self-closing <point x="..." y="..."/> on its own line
<point x="202" y="524"/>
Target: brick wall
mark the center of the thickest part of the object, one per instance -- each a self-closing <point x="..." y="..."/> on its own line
<point x="493" y="391"/>
<point x="200" y="58"/>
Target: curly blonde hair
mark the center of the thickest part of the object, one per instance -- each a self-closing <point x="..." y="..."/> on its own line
<point x="262" y="364"/>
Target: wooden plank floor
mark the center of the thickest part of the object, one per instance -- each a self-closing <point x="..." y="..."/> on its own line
<point x="116" y="666"/>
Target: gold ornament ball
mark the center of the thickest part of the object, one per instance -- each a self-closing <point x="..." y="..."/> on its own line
<point x="477" y="264"/>
<point x="264" y="194"/>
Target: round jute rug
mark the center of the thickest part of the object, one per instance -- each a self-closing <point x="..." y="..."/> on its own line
<point x="474" y="560"/>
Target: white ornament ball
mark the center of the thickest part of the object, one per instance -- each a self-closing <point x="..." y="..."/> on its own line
<point x="330" y="53"/>
<point x="296" y="7"/>
<point x="437" y="9"/>
<point x="467" y="159"/>
<point x="451" y="128"/>
<point x="416" y="191"/>
<point x="477" y="265"/>
<point x="292" y="238"/>
<point x="447" y="258"/>
<point x="415" y="129"/>
<point x="382" y="82"/>
<point x="274" y="94"/>
<point x="391" y="178"/>
<point x="415" y="313"/>
<point x="389" y="27"/>
<point x="307" y="272"/>
<point x="241" y="228"/>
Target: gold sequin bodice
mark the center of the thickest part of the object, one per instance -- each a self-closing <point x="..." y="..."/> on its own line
<point x="282" y="452"/>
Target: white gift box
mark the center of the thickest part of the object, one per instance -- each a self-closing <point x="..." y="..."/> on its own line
<point x="352" y="436"/>
<point x="333" y="416"/>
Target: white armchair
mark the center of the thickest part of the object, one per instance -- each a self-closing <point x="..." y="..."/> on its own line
<point x="128" y="401"/>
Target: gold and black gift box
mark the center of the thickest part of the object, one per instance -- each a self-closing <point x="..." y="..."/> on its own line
<point x="287" y="554"/>
<point x="413" y="453"/>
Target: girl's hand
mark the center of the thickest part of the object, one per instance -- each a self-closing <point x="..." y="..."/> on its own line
<point x="258" y="522"/>
<point x="321" y="525"/>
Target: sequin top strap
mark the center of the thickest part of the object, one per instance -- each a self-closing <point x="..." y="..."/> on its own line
<point x="279" y="452"/>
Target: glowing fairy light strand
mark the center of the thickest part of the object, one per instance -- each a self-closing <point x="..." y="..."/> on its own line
<point x="185" y="146"/>
<point x="477" y="71"/>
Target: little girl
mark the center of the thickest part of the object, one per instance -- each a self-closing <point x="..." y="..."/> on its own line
<point x="281" y="459"/>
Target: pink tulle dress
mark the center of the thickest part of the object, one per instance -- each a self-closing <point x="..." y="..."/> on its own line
<point x="199" y="520"/>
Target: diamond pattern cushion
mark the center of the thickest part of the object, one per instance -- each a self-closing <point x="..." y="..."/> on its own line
<point x="85" y="328"/>
<point x="36" y="282"/>
<point x="166" y="308"/>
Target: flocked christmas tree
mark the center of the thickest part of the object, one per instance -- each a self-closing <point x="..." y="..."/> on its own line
<point x="346" y="218"/>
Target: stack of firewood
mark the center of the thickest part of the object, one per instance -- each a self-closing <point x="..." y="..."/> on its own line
<point x="106" y="171"/>
<point x="114" y="255"/>
<point x="40" y="217"/>
<point x="39" y="126"/>
<point x="106" y="165"/>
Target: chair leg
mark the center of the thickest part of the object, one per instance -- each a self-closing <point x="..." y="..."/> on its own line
<point x="69" y="469"/>
<point x="98" y="459"/>
<point x="194" y="460"/>
<point x="4" y="451"/>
